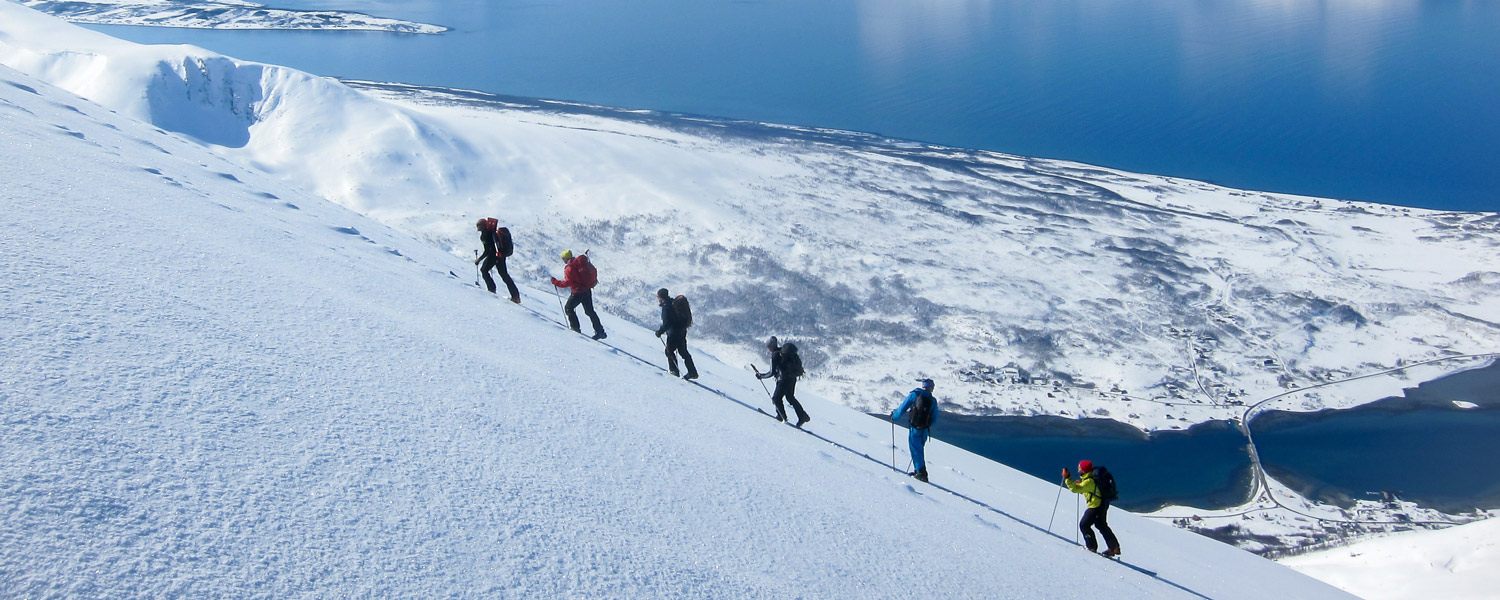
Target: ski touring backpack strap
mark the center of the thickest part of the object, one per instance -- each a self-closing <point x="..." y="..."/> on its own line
<point x="793" y="365"/>
<point x="1104" y="484"/>
<point x="921" y="411"/>
<point x="506" y="247"/>
<point x="683" y="310"/>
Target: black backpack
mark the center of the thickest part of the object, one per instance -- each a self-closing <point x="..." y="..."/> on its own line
<point x="1104" y="485"/>
<point x="792" y="364"/>
<point x="921" y="412"/>
<point x="503" y="235"/>
<point x="683" y="310"/>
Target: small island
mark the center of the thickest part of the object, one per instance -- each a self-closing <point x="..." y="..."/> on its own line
<point x="220" y="14"/>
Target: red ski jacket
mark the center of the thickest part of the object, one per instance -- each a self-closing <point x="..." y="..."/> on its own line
<point x="579" y="275"/>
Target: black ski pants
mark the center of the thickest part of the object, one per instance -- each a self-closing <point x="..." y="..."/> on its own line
<point x="1095" y="517"/>
<point x="786" y="387"/>
<point x="677" y="344"/>
<point x="498" y="264"/>
<point x="586" y="299"/>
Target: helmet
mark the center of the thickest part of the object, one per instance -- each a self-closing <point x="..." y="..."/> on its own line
<point x="567" y="255"/>
<point x="773" y="343"/>
<point x="1085" y="466"/>
<point x="663" y="294"/>
<point x="927" y="384"/>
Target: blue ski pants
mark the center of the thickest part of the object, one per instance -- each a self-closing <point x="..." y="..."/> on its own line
<point x="917" y="439"/>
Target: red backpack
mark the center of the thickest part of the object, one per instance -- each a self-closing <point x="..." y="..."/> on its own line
<point x="588" y="277"/>
<point x="502" y="236"/>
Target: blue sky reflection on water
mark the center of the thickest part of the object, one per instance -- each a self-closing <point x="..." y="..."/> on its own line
<point x="1382" y="100"/>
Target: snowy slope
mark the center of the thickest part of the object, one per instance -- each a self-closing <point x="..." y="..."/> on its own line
<point x="1454" y="564"/>
<point x="886" y="260"/>
<point x="216" y="385"/>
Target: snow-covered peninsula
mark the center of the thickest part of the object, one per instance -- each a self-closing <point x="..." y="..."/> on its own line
<point x="220" y="14"/>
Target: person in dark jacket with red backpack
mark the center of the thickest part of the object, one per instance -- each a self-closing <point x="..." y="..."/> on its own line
<point x="497" y="246"/>
<point x="581" y="277"/>
<point x="675" y="325"/>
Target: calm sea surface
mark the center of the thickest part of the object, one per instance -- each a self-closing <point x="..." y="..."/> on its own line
<point x="1419" y="445"/>
<point x="1394" y="101"/>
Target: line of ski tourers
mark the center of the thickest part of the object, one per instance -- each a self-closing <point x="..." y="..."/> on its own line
<point x="920" y="407"/>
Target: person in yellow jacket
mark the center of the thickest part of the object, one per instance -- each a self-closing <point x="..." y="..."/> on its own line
<point x="1098" y="509"/>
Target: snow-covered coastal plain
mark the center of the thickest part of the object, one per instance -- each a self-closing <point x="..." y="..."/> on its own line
<point x="219" y="383"/>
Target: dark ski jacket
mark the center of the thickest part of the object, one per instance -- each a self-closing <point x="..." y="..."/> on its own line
<point x="491" y="241"/>
<point x="670" y="322"/>
<point x="778" y="361"/>
<point x="912" y="399"/>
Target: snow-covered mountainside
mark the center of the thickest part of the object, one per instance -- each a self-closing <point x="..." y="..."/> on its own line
<point x="1026" y="286"/>
<point x="217" y="385"/>
<point x="219" y="14"/>
<point x="1453" y="564"/>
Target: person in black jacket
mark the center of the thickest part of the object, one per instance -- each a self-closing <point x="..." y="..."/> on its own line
<point x="493" y="258"/>
<point x="786" y="368"/>
<point x="675" y="326"/>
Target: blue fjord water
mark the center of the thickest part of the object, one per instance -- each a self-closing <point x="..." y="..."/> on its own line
<point x="1418" y="445"/>
<point x="1394" y="101"/>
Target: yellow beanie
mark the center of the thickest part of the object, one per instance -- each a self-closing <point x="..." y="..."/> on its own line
<point x="567" y="255"/>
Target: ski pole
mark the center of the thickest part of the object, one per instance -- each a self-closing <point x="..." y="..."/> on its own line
<point x="1076" y="530"/>
<point x="763" y="382"/>
<point x="893" y="445"/>
<point x="560" y="308"/>
<point x="1053" y="514"/>
<point x="477" y="272"/>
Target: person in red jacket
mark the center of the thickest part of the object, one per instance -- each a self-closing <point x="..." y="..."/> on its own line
<point x="580" y="276"/>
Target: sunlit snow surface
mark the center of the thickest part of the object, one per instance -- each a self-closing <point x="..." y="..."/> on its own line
<point x="1457" y="564"/>
<point x="215" y="384"/>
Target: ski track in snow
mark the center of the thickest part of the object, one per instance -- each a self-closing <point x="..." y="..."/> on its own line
<point x="218" y="385"/>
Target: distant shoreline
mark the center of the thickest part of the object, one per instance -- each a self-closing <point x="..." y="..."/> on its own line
<point x="228" y="15"/>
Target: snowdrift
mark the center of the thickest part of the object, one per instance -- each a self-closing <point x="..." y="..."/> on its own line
<point x="1456" y="563"/>
<point x="215" y="384"/>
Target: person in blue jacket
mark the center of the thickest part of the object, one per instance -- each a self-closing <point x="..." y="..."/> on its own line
<point x="922" y="410"/>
